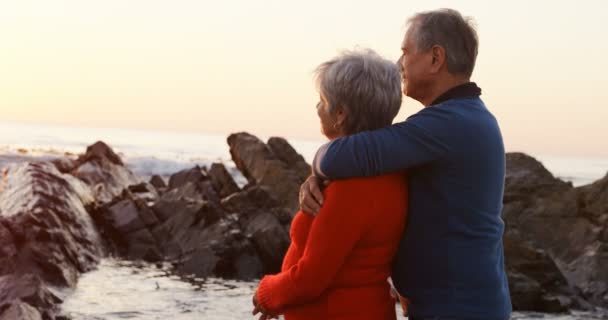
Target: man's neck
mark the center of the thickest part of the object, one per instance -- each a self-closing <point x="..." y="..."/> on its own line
<point x="441" y="87"/>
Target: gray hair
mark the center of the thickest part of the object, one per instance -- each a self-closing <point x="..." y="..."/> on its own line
<point x="366" y="85"/>
<point x="450" y="30"/>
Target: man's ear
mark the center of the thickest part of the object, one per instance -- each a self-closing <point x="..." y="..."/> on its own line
<point x="438" y="58"/>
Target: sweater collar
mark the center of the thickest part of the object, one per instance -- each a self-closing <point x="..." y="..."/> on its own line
<point x="467" y="90"/>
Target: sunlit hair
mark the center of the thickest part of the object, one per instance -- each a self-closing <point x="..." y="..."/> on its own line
<point x="449" y="29"/>
<point x="365" y="85"/>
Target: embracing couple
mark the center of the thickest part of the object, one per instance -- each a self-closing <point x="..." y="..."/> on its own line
<point x="418" y="201"/>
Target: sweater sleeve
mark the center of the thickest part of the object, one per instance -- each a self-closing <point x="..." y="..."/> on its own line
<point x="333" y="235"/>
<point x="413" y="142"/>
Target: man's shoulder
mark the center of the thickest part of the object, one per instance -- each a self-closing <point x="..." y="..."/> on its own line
<point x="463" y="108"/>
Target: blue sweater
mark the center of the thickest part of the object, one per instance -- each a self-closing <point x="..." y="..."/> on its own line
<point x="450" y="261"/>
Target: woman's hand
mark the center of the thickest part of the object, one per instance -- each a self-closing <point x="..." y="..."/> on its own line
<point x="258" y="309"/>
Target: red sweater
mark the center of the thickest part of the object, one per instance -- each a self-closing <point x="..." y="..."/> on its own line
<point x="338" y="263"/>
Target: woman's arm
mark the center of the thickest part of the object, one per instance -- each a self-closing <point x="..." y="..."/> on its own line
<point x="333" y="235"/>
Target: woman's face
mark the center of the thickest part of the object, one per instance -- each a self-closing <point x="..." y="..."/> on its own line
<point x="328" y="121"/>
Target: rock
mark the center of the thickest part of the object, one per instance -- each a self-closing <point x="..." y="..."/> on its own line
<point x="142" y="245"/>
<point x="64" y="165"/>
<point x="144" y="191"/>
<point x="44" y="218"/>
<point x="532" y="275"/>
<point x="525" y="177"/>
<point x="192" y="175"/>
<point x="593" y="202"/>
<point x="249" y="200"/>
<point x="199" y="179"/>
<point x="286" y="153"/>
<point x="222" y="180"/>
<point x="261" y="166"/>
<point x="104" y="172"/>
<point x="225" y="252"/>
<point x="158" y="182"/>
<point x="19" y="310"/>
<point x="8" y="251"/>
<point x="123" y="217"/>
<point x="270" y="240"/>
<point x="184" y="198"/>
<point x="29" y="289"/>
<point x="536" y="202"/>
<point x="102" y="152"/>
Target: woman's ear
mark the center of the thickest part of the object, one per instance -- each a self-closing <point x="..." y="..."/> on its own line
<point x="341" y="116"/>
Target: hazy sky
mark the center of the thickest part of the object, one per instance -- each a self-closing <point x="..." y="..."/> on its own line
<point x="224" y="66"/>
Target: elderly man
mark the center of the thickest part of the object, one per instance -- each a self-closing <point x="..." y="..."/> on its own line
<point x="450" y="263"/>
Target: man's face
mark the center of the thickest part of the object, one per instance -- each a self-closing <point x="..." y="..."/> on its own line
<point x="414" y="67"/>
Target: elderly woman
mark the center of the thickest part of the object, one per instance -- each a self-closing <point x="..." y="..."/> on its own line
<point x="338" y="262"/>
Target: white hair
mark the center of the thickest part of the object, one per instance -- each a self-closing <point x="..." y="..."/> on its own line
<point x="366" y="85"/>
<point x="449" y="29"/>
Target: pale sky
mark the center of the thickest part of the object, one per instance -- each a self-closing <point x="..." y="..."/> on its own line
<point x="246" y="65"/>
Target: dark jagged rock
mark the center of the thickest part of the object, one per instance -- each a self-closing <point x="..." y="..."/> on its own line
<point x="104" y="172"/>
<point x="25" y="296"/>
<point x="249" y="200"/>
<point x="286" y="153"/>
<point x="64" y="165"/>
<point x="185" y="198"/>
<point x="43" y="214"/>
<point x="222" y="180"/>
<point x="18" y="310"/>
<point x="158" y="182"/>
<point x="27" y="288"/>
<point x="534" y="279"/>
<point x="565" y="222"/>
<point x="199" y="179"/>
<point x="100" y="151"/>
<point x="225" y="253"/>
<point x="262" y="167"/>
<point x="144" y="191"/>
<point x="192" y="175"/>
<point x="270" y="239"/>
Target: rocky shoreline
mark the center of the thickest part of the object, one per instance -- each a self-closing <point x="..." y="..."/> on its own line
<point x="59" y="217"/>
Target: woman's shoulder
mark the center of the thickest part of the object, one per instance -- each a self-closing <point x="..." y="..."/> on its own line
<point x="368" y="185"/>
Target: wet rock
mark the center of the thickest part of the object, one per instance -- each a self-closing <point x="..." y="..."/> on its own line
<point x="100" y="151"/>
<point x="224" y="252"/>
<point x="44" y="218"/>
<point x="286" y="153"/>
<point x="199" y="179"/>
<point x="192" y="175"/>
<point x="158" y="182"/>
<point x="222" y="180"/>
<point x="29" y="289"/>
<point x="183" y="199"/>
<point x="64" y="165"/>
<point x="262" y="167"/>
<point x="270" y="239"/>
<point x="534" y="278"/>
<point x="250" y="200"/>
<point x="104" y="172"/>
<point x="144" y="191"/>
<point x="142" y="245"/>
<point x="123" y="216"/>
<point x="19" y="310"/>
<point x="536" y="202"/>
